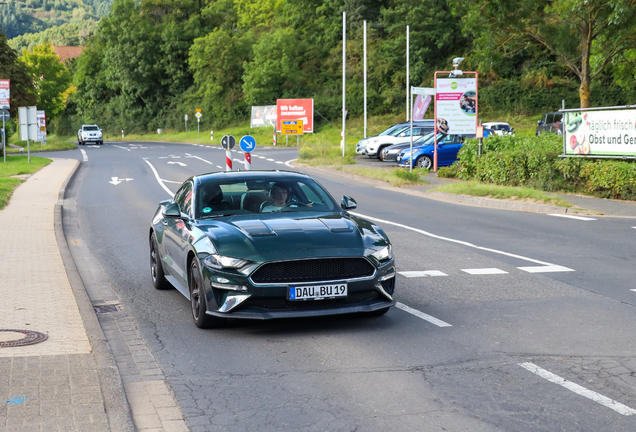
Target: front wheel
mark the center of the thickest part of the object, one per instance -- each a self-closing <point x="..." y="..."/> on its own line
<point x="197" y="300"/>
<point x="424" y="162"/>
<point x="156" y="270"/>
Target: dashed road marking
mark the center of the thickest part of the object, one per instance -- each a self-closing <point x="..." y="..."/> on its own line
<point x="581" y="391"/>
<point x="545" y="269"/>
<point x="422" y="315"/>
<point x="220" y="167"/>
<point x="427" y="273"/>
<point x="270" y="159"/>
<point x="583" y="218"/>
<point x="279" y="162"/>
<point x="484" y="271"/>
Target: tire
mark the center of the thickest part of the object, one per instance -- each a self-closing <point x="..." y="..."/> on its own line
<point x="379" y="153"/>
<point x="79" y="142"/>
<point x="156" y="268"/>
<point x="378" y="313"/>
<point x="197" y="300"/>
<point x="424" y="162"/>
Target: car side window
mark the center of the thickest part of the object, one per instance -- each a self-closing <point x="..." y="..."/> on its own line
<point x="550" y="118"/>
<point x="558" y="117"/>
<point x="184" y="198"/>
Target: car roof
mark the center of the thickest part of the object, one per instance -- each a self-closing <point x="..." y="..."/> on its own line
<point x="90" y="125"/>
<point x="250" y="175"/>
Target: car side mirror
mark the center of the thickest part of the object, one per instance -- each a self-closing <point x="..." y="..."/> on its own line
<point x="172" y="210"/>
<point x="539" y="122"/>
<point x="348" y="203"/>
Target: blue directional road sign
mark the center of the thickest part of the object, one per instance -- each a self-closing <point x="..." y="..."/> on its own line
<point x="247" y="143"/>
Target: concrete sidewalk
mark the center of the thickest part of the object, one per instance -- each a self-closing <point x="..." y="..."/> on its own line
<point x="68" y="380"/>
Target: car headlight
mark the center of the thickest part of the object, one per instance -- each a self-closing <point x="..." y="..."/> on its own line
<point x="383" y="254"/>
<point x="219" y="262"/>
<point x="100" y="134"/>
<point x="84" y="134"/>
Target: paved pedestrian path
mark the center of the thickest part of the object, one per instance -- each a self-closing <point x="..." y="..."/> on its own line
<point x="53" y="384"/>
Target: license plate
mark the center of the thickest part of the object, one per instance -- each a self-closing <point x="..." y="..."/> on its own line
<point x="317" y="292"/>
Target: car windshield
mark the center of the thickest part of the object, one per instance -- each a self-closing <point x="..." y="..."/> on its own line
<point x="391" y="129"/>
<point x="91" y="128"/>
<point x="223" y="197"/>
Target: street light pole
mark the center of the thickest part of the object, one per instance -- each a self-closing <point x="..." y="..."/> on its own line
<point x="344" y="77"/>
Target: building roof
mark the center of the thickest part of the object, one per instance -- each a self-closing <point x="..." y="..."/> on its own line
<point x="68" y="52"/>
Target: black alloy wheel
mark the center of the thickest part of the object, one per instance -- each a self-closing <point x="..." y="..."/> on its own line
<point x="197" y="300"/>
<point x="424" y="162"/>
<point x="156" y="268"/>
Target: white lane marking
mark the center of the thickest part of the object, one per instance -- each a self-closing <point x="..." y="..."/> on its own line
<point x="279" y="162"/>
<point x="545" y="269"/>
<point x="117" y="180"/>
<point x="270" y="159"/>
<point x="84" y="155"/>
<point x="124" y="148"/>
<point x="201" y="159"/>
<point x="414" y="274"/>
<point x="452" y="240"/>
<point x="163" y="157"/>
<point x="633" y="290"/>
<point x="220" y="167"/>
<point x="422" y="315"/>
<point x="484" y="271"/>
<point x="170" y="181"/>
<point x="178" y="163"/>
<point x="573" y="217"/>
<point x="634" y="227"/>
<point x="163" y="185"/>
<point x="261" y="157"/>
<point x="581" y="391"/>
<point x="175" y="157"/>
<point x="288" y="163"/>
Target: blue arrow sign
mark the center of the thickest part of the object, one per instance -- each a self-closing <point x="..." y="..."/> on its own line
<point x="247" y="143"/>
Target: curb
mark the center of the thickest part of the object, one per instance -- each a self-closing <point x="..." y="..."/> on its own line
<point x="115" y="400"/>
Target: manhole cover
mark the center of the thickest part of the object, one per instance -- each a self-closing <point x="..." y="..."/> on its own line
<point x="14" y="338"/>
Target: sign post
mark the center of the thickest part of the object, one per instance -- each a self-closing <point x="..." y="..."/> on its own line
<point x="228" y="142"/>
<point x="248" y="144"/>
<point x="198" y="116"/>
<point x="5" y="116"/>
<point x="211" y="135"/>
<point x="456" y="107"/>
<point x="28" y="126"/>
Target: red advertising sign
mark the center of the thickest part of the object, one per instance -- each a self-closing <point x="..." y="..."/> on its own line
<point x="296" y="109"/>
<point x="4" y="94"/>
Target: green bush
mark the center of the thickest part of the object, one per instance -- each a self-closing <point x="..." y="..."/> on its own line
<point x="448" y="171"/>
<point x="407" y="175"/>
<point x="605" y="178"/>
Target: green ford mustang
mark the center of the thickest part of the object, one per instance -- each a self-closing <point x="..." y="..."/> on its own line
<point x="268" y="244"/>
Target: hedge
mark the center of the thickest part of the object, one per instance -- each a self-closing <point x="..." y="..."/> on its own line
<point x="534" y="162"/>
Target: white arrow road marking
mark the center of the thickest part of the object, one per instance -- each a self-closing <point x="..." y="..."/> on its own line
<point x="201" y="159"/>
<point x="427" y="273"/>
<point x="573" y="217"/>
<point x="117" y="180"/>
<point x="84" y="155"/>
<point x="125" y="148"/>
<point x="178" y="163"/>
<point x="422" y="315"/>
<point x="581" y="391"/>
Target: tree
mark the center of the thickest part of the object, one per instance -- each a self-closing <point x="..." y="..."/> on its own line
<point x="22" y="89"/>
<point x="586" y="35"/>
<point x="51" y="79"/>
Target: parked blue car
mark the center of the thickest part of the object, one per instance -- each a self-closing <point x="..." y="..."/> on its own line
<point x="447" y="148"/>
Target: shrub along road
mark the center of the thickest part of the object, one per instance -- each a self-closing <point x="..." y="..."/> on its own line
<point x="517" y="297"/>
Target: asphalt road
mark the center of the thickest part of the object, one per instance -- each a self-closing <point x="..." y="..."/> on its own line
<point x="544" y="340"/>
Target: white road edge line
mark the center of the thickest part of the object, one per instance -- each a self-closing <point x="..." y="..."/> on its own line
<point x="581" y="391"/>
<point x="452" y="240"/>
<point x="163" y="185"/>
<point x="572" y="217"/>
<point x="422" y="315"/>
<point x="84" y="155"/>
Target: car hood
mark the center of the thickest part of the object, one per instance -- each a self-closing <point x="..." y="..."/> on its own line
<point x="275" y="237"/>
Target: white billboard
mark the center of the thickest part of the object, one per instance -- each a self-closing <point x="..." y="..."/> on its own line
<point x="263" y="116"/>
<point x="609" y="133"/>
<point x="456" y="104"/>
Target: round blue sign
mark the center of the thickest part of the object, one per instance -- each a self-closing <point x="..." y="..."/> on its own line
<point x="247" y="143"/>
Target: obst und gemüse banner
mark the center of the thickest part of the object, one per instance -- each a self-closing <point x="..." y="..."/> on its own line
<point x="611" y="133"/>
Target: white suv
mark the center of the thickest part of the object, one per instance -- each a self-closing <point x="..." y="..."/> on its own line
<point x="90" y="133"/>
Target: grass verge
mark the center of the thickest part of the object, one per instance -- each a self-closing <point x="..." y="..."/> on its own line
<point x="16" y="165"/>
<point x="397" y="177"/>
<point x="485" y="190"/>
<point x="53" y="142"/>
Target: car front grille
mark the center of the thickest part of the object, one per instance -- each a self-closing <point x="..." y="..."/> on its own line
<point x="313" y="270"/>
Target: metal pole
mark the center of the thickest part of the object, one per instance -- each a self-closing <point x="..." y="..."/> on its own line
<point x="407" y="73"/>
<point x="186" y="123"/>
<point x="435" y="130"/>
<point x="28" y="149"/>
<point x="411" y="158"/>
<point x="198" y="123"/>
<point x="344" y="77"/>
<point x="4" y="140"/>
<point x="481" y="142"/>
<point x="365" y="78"/>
